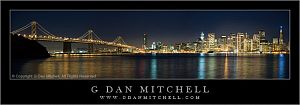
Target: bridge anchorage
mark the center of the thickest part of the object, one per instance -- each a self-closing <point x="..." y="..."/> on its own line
<point x="39" y="33"/>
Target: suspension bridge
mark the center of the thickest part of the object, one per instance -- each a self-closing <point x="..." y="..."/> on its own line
<point x="89" y="38"/>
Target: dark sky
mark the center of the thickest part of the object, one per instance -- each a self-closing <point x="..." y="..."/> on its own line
<point x="166" y="26"/>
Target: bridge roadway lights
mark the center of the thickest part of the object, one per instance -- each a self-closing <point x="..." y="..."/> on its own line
<point x="67" y="47"/>
<point x="119" y="49"/>
<point x="130" y="50"/>
<point x="91" y="48"/>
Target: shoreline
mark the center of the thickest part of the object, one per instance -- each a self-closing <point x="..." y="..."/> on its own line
<point x="166" y="54"/>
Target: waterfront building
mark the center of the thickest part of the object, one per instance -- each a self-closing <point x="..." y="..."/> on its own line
<point x="240" y="42"/>
<point x="265" y="46"/>
<point x="223" y="43"/>
<point x="211" y="41"/>
<point x="189" y="46"/>
<point x="262" y="36"/>
<point x="194" y="46"/>
<point x="232" y="42"/>
<point x="275" y="44"/>
<point x="251" y="45"/>
<point x="201" y="42"/>
<point x="177" y="47"/>
<point x="247" y="44"/>
<point x="159" y="45"/>
<point x="164" y="48"/>
<point x="255" y="42"/>
<point x="183" y="46"/>
<point x="171" y="48"/>
<point x="153" y="46"/>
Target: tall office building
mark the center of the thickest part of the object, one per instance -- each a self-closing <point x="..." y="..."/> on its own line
<point x="262" y="36"/>
<point x="281" y="39"/>
<point x="177" y="46"/>
<point x="255" y="42"/>
<point x="201" y="42"/>
<point x="159" y="45"/>
<point x="247" y="43"/>
<point x="195" y="45"/>
<point x="223" y="43"/>
<point x="211" y="41"/>
<point x="231" y="42"/>
<point x="263" y="43"/>
<point x="145" y="39"/>
<point x="240" y="42"/>
<point x="250" y="44"/>
<point x="153" y="46"/>
<point x="275" y="44"/>
<point x="202" y="36"/>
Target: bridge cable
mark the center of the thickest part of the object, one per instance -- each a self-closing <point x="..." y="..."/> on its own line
<point x="21" y="29"/>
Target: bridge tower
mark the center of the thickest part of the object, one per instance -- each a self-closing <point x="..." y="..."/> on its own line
<point x="33" y="29"/>
<point x="91" y="45"/>
<point x="89" y="37"/>
<point x="119" y="40"/>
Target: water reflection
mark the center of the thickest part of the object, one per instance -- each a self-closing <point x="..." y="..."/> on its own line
<point x="153" y="68"/>
<point x="160" y="67"/>
<point x="226" y="68"/>
<point x="141" y="68"/>
<point x="281" y="72"/>
<point x="211" y="67"/>
<point x="201" y="68"/>
<point x="234" y="68"/>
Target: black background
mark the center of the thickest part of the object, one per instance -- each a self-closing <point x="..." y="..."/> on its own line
<point x="221" y="91"/>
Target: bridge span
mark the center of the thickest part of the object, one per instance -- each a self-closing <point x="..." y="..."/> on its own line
<point x="89" y="38"/>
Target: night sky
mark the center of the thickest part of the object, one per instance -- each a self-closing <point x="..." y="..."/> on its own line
<point x="166" y="26"/>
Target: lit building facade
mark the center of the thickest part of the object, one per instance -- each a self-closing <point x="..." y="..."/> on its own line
<point x="232" y="42"/>
<point x="145" y="41"/>
<point x="255" y="42"/>
<point x="211" y="41"/>
<point x="275" y="44"/>
<point x="153" y="46"/>
<point x="223" y="43"/>
<point x="201" y="42"/>
<point x="281" y="44"/>
<point x="240" y="42"/>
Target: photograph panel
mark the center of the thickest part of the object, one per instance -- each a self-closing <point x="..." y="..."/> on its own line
<point x="150" y="44"/>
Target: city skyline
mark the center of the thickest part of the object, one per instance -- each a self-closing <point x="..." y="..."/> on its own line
<point x="184" y="26"/>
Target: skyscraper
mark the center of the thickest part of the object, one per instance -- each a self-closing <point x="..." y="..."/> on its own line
<point x="240" y="42"/>
<point x="153" y="46"/>
<point x="202" y="36"/>
<point x="247" y="43"/>
<point x="262" y="36"/>
<point x="223" y="43"/>
<point x="281" y="39"/>
<point x="211" y="41"/>
<point x="159" y="45"/>
<point x="256" y="42"/>
<point x="275" y="44"/>
<point x="231" y="42"/>
<point x="201" y="42"/>
<point x="263" y="43"/>
<point x="145" y="41"/>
